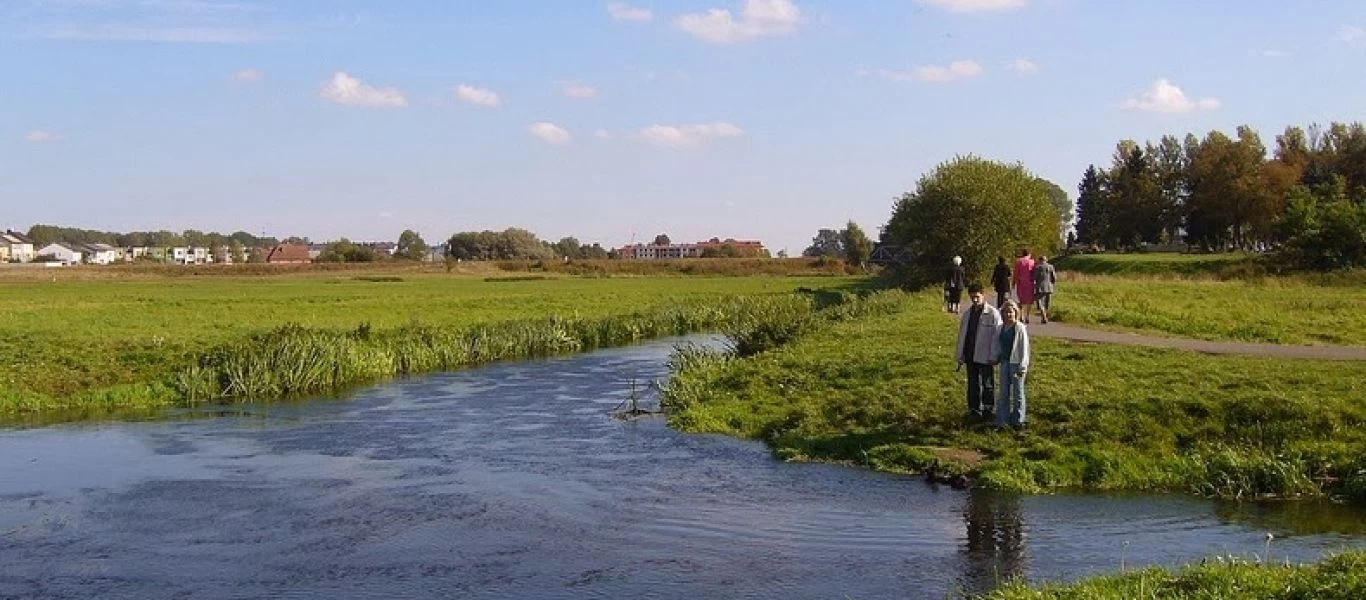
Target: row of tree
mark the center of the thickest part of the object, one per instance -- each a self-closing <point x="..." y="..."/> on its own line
<point x="1307" y="198"/>
<point x="515" y="243"/>
<point x="48" y="234"/>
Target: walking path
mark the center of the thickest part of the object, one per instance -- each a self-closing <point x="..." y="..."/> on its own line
<point x="1074" y="333"/>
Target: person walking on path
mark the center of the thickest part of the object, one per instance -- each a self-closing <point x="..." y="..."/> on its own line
<point x="977" y="338"/>
<point x="1000" y="280"/>
<point x="1013" y="354"/>
<point x="1044" y="279"/>
<point x="1024" y="281"/>
<point x="954" y="284"/>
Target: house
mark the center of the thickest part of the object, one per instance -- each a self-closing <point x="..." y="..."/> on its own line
<point x="287" y="254"/>
<point x="199" y="255"/>
<point x="67" y="254"/>
<point x="4" y="253"/>
<point x="381" y="249"/>
<point x="746" y="248"/>
<point x="101" y="254"/>
<point x="316" y="250"/>
<point x="20" y="246"/>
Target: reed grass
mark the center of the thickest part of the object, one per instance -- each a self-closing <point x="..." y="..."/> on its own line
<point x="1336" y="577"/>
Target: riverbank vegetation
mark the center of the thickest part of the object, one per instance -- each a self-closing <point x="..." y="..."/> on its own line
<point x="881" y="392"/>
<point x="104" y="343"/>
<point x="1338" y="577"/>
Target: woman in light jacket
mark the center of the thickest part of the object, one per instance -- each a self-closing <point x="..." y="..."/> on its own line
<point x="1014" y="359"/>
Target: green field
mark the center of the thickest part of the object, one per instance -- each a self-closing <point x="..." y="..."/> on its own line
<point x="1162" y="264"/>
<point x="882" y="392"/>
<point x="1271" y="310"/>
<point x="76" y="334"/>
<point x="1340" y="577"/>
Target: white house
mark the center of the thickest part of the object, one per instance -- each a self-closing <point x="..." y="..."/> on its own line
<point x="102" y="254"/>
<point x="67" y="254"/>
<point x="20" y="246"/>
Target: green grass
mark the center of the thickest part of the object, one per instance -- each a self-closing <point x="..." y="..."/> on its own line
<point x="882" y="392"/>
<point x="1340" y="577"/>
<point x="1168" y="264"/>
<point x="1269" y="310"/>
<point x="110" y="342"/>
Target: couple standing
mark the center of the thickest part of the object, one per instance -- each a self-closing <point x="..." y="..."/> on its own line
<point x="986" y="338"/>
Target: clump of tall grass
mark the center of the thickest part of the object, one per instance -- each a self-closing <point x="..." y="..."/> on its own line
<point x="294" y="360"/>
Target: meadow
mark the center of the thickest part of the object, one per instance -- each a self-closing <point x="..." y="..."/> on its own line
<point x="69" y="336"/>
<point x="881" y="392"/>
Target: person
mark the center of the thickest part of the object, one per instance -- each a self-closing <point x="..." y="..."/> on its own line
<point x="1013" y="354"/>
<point x="1000" y="280"/>
<point x="1044" y="279"/>
<point x="1024" y="281"/>
<point x="977" y="339"/>
<point x="954" y="284"/>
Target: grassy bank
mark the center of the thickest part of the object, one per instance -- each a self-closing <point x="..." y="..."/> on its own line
<point x="105" y="343"/>
<point x="881" y="392"/>
<point x="1289" y="310"/>
<point x="1340" y="577"/>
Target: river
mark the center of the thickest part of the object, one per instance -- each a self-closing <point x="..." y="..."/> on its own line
<point x="511" y="481"/>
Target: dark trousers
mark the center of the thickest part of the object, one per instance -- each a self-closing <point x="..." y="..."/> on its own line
<point x="1001" y="297"/>
<point x="981" y="389"/>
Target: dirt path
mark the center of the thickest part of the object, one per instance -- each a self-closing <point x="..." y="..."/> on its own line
<point x="1074" y="333"/>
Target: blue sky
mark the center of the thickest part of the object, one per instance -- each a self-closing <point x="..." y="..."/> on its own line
<point x="761" y="119"/>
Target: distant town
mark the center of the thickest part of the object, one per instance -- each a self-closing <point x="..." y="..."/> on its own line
<point x="56" y="246"/>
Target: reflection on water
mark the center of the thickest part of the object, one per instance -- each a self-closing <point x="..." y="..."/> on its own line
<point x="995" y="546"/>
<point x="512" y="481"/>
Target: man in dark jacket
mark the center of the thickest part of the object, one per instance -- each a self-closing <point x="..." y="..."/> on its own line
<point x="1000" y="280"/>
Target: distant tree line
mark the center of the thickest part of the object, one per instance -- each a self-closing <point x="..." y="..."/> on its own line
<point x="515" y="243"/>
<point x="48" y="234"/>
<point x="1307" y="199"/>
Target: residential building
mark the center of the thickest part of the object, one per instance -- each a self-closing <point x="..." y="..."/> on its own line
<point x="20" y="246"/>
<point x="101" y="254"/>
<point x="381" y="249"/>
<point x="4" y="253"/>
<point x="746" y="248"/>
<point x="286" y="254"/>
<point x="67" y="254"/>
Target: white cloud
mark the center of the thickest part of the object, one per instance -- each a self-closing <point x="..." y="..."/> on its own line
<point x="550" y="133"/>
<point x="1023" y="66"/>
<point x="39" y="136"/>
<point x="685" y="136"/>
<point x="602" y="134"/>
<point x="1352" y="34"/>
<point x="959" y="69"/>
<point x="969" y="6"/>
<point x="349" y="91"/>
<point x="247" y="76"/>
<point x="1276" y="53"/>
<point x="622" y="11"/>
<point x="758" y="18"/>
<point x="1165" y="97"/>
<point x="477" y="95"/>
<point x="574" y="89"/>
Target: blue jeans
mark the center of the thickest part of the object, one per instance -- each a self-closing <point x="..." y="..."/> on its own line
<point x="1010" y="404"/>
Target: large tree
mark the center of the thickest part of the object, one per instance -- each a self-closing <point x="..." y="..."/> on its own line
<point x="1092" y="214"/>
<point x="1061" y="203"/>
<point x="411" y="246"/>
<point x="856" y="245"/>
<point x="974" y="208"/>
<point x="663" y="240"/>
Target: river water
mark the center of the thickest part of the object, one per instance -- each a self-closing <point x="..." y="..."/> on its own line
<point x="511" y="481"/>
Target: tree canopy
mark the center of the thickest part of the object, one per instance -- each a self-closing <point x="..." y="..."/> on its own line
<point x="826" y="243"/>
<point x="411" y="246"/>
<point x="974" y="208"/>
<point x="856" y="245"/>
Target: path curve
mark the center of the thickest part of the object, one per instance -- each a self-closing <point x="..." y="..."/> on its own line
<point x="1074" y="333"/>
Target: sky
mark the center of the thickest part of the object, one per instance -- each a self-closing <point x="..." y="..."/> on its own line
<point x="615" y="121"/>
